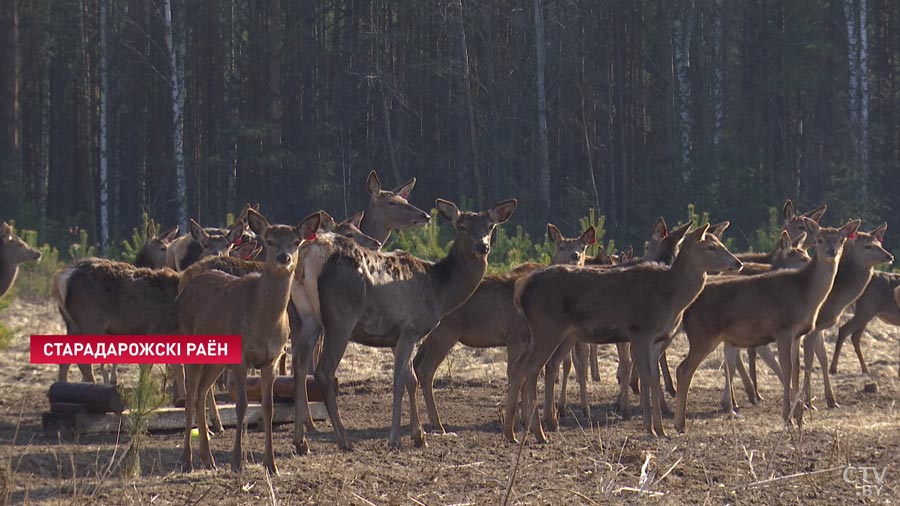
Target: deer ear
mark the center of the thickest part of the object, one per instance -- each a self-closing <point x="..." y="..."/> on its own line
<point x="697" y="234"/>
<point x="589" y="236"/>
<point x="308" y="227"/>
<point x="799" y="240"/>
<point x="236" y="231"/>
<point x="850" y="228"/>
<point x="327" y="224"/>
<point x="816" y="214"/>
<point x="602" y="256"/>
<point x="719" y="228"/>
<point x="448" y="210"/>
<point x="878" y="233"/>
<point x="356" y="219"/>
<point x="373" y="184"/>
<point x="811" y="225"/>
<point x="243" y="214"/>
<point x="150" y="230"/>
<point x="169" y="235"/>
<point x="784" y="241"/>
<point x="554" y="234"/>
<point x="502" y="211"/>
<point x="628" y="254"/>
<point x="197" y="231"/>
<point x="678" y="233"/>
<point x="406" y="188"/>
<point x="5" y="229"/>
<point x="258" y="223"/>
<point x="788" y="211"/>
<point x="660" y="230"/>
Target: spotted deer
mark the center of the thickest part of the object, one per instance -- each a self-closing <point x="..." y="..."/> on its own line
<point x="384" y="300"/>
<point x="752" y="311"/>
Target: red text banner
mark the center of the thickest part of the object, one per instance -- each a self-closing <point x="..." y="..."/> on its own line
<point x="135" y="349"/>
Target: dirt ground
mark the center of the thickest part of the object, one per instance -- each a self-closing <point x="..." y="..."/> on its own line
<point x="750" y="459"/>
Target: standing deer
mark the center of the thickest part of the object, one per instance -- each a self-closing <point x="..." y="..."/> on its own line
<point x="752" y="311"/>
<point x="254" y="307"/>
<point x="876" y="300"/>
<point x="794" y="226"/>
<point x="641" y="304"/>
<point x="13" y="251"/>
<point x="862" y="253"/>
<point x="203" y="242"/>
<point x="389" y="210"/>
<point x="489" y="318"/>
<point x="154" y="253"/>
<point x="384" y="300"/>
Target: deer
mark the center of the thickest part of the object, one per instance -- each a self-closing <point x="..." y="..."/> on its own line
<point x="877" y="300"/>
<point x="13" y="252"/>
<point x="154" y="252"/>
<point x="203" y="242"/>
<point x="862" y="253"/>
<point x="384" y="300"/>
<point x="752" y="311"/>
<point x="787" y="254"/>
<point x="642" y="305"/>
<point x="389" y="210"/>
<point x="349" y="228"/>
<point x="489" y="319"/>
<point x="253" y="306"/>
<point x="794" y="226"/>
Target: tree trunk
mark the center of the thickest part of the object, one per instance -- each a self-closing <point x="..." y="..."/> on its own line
<point x="541" y="65"/>
<point x="175" y="35"/>
<point x="681" y="36"/>
<point x="104" y="134"/>
<point x="863" y="149"/>
<point x="10" y="154"/>
<point x="470" y="110"/>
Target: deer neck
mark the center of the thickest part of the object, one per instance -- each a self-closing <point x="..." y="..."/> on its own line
<point x="819" y="279"/>
<point x="456" y="276"/>
<point x="849" y="281"/>
<point x="373" y="224"/>
<point x="688" y="280"/>
<point x="273" y="292"/>
<point x="8" y="271"/>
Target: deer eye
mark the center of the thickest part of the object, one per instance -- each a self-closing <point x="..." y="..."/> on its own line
<point x="297" y="243"/>
<point x="711" y="247"/>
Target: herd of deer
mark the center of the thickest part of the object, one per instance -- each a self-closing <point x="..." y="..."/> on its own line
<point x="325" y="283"/>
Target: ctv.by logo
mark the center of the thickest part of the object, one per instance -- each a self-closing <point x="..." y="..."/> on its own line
<point x="868" y="480"/>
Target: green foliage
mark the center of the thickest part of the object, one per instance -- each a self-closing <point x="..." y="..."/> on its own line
<point x="431" y="241"/>
<point x="131" y="248"/>
<point x="142" y="401"/>
<point x="764" y="238"/>
<point x="82" y="248"/>
<point x="600" y="232"/>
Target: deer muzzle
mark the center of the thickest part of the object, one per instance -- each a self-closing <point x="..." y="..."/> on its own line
<point x="482" y="248"/>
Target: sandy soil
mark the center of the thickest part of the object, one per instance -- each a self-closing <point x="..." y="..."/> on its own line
<point x="720" y="460"/>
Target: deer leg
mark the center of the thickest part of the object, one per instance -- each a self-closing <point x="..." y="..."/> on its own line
<point x="415" y="426"/>
<point x="857" y="346"/>
<point x="402" y="357"/>
<point x="524" y="375"/>
<point x="751" y="364"/>
<point x="87" y="373"/>
<point x="701" y="345"/>
<point x="562" y="400"/>
<point x="809" y="349"/>
<point x="516" y="378"/>
<point x="746" y="379"/>
<point x="826" y="377"/>
<point x="303" y="339"/>
<point x="551" y="369"/>
<point x="207" y="377"/>
<point x="623" y="376"/>
<point x="514" y="351"/>
<point x="63" y="374"/>
<point x="580" y="357"/>
<point x="667" y="376"/>
<point x="732" y="357"/>
<point x="282" y="364"/>
<point x="646" y="366"/>
<point x="178" y="379"/>
<point x="240" y="410"/>
<point x="192" y="379"/>
<point x="337" y="336"/>
<point x="212" y="411"/>
<point x="267" y="381"/>
<point x="430" y="355"/>
<point x="595" y="363"/>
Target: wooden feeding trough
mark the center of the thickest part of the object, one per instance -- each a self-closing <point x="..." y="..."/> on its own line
<point x="89" y="408"/>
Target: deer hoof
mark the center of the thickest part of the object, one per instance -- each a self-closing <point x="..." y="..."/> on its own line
<point x="395" y="445"/>
<point x="271" y="468"/>
<point x="302" y="447"/>
<point x="236" y="467"/>
<point x="187" y="467"/>
<point x="833" y="404"/>
<point x="419" y="440"/>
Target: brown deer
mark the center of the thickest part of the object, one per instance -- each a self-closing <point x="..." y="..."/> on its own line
<point x="385" y="300"/>
<point x="13" y="251"/>
<point x="489" y="319"/>
<point x="862" y="253"/>
<point x="752" y="311"/>
<point x="786" y="255"/>
<point x="253" y="306"/>
<point x="390" y="210"/>
<point x="876" y="300"/>
<point x="794" y="226"/>
<point x="154" y="253"/>
<point x="203" y="242"/>
<point x="349" y="228"/>
<point x="641" y="304"/>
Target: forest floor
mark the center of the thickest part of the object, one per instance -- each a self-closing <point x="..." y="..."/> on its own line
<point x="744" y="460"/>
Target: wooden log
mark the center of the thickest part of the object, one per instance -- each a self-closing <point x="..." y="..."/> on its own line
<point x="283" y="390"/>
<point x="95" y="397"/>
<point x="164" y="419"/>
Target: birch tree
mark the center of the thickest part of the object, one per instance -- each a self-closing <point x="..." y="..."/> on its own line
<point x="104" y="134"/>
<point x="681" y="43"/>
<point x="176" y="49"/>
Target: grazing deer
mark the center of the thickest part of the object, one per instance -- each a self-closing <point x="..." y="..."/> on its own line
<point x="752" y="311"/>
<point x="384" y="300"/>
<point x="786" y="255"/>
<point x="203" y="242"/>
<point x="389" y="210"/>
<point x="253" y="306"/>
<point x="794" y="226"/>
<point x="862" y="253"/>
<point x="13" y="251"/>
<point x="641" y="304"/>
<point x="877" y="300"/>
<point x="489" y="319"/>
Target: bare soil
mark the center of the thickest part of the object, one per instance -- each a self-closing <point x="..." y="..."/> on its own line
<point x="744" y="460"/>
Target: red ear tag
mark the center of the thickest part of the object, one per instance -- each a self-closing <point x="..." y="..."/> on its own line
<point x="852" y="236"/>
<point x="310" y="237"/>
<point x="238" y="241"/>
<point x="594" y="241"/>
